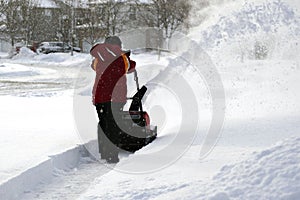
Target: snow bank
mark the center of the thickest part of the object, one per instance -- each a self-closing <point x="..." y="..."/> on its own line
<point x="25" y="53"/>
<point x="10" y="70"/>
<point x="63" y="58"/>
<point x="254" y="45"/>
<point x="3" y="55"/>
<point x="246" y="27"/>
<point x="26" y="56"/>
<point x="44" y="172"/>
<point x="270" y="174"/>
<point x="33" y="128"/>
<point x="273" y="173"/>
<point x="253" y="17"/>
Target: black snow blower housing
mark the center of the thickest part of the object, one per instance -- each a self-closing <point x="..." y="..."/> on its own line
<point x="136" y="129"/>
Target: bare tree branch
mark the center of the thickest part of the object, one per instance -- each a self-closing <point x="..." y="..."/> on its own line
<point x="168" y="15"/>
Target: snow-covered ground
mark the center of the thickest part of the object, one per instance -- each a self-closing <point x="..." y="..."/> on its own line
<point x="47" y="117"/>
<point x="36" y="112"/>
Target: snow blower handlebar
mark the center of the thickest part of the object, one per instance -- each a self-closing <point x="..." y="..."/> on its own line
<point x="136" y="104"/>
<point x="136" y="78"/>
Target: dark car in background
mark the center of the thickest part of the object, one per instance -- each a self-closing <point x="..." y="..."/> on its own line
<point x="55" y="47"/>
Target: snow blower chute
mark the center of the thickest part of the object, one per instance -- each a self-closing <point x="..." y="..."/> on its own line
<point x="136" y="129"/>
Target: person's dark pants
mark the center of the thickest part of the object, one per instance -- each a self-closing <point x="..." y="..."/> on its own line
<point x="108" y="130"/>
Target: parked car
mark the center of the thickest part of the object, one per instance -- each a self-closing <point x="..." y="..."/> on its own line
<point x="54" y="47"/>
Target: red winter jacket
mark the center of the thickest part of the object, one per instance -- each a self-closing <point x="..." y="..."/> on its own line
<point x="111" y="65"/>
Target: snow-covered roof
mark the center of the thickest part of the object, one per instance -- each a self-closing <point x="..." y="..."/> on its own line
<point x="105" y="1"/>
<point x="55" y="3"/>
<point x="46" y="4"/>
<point x="76" y="3"/>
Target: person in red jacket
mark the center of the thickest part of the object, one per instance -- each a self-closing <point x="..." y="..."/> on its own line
<point x="111" y="65"/>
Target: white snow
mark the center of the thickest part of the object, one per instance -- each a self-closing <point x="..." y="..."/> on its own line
<point x="261" y="109"/>
<point x="46" y="3"/>
<point x="269" y="174"/>
<point x="255" y="156"/>
<point x="3" y="54"/>
<point x="33" y="128"/>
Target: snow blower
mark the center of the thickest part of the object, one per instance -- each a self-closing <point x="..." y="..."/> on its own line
<point x="136" y="129"/>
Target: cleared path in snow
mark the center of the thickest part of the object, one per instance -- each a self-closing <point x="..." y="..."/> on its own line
<point x="69" y="184"/>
